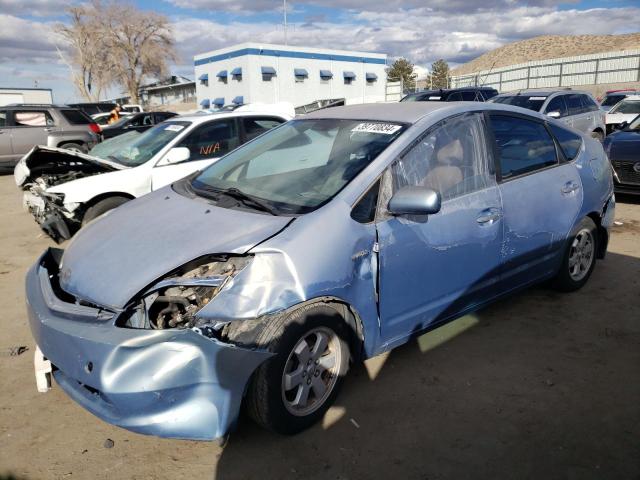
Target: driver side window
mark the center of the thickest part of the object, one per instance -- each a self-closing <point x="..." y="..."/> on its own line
<point x="557" y="104"/>
<point x="452" y="158"/>
<point x="211" y="140"/>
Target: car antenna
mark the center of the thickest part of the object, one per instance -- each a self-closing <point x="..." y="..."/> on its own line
<point x="489" y="72"/>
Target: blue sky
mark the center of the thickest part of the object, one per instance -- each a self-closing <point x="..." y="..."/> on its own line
<point x="423" y="31"/>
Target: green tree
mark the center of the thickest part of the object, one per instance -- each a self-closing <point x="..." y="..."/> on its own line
<point x="439" y="77"/>
<point x="402" y="70"/>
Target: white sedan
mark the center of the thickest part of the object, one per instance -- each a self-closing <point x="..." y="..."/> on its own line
<point x="65" y="190"/>
<point x="623" y="111"/>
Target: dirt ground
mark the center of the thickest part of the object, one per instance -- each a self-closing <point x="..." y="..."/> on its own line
<point x="538" y="386"/>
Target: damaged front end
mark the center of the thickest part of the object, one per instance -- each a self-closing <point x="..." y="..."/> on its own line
<point x="44" y="168"/>
<point x="153" y="367"/>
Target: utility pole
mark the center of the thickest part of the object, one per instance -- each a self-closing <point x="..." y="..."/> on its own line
<point x="284" y="12"/>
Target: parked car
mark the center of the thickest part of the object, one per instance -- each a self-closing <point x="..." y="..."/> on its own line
<point x="614" y="96"/>
<point x="139" y="122"/>
<point x="65" y="190"/>
<point x="463" y="94"/>
<point x="25" y="125"/>
<point x="334" y="237"/>
<point x="623" y="149"/>
<point x="102" y="119"/>
<point x="575" y="108"/>
<point x="132" y="108"/>
<point x="623" y="112"/>
<point x="94" y="108"/>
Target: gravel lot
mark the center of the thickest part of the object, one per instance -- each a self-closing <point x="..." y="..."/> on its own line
<point x="540" y="386"/>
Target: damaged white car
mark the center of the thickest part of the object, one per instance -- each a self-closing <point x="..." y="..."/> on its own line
<point x="64" y="190"/>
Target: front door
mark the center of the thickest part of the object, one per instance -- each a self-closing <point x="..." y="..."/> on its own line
<point x="541" y="197"/>
<point x="207" y="143"/>
<point x="6" y="150"/>
<point x="435" y="268"/>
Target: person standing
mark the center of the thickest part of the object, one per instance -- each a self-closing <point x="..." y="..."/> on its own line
<point x="115" y="115"/>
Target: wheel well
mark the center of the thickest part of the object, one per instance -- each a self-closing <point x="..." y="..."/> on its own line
<point x="77" y="142"/>
<point x="603" y="236"/>
<point x="103" y="196"/>
<point x="598" y="129"/>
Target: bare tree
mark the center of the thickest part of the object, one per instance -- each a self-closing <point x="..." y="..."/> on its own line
<point x="140" y="45"/>
<point x="89" y="62"/>
<point x="115" y="43"/>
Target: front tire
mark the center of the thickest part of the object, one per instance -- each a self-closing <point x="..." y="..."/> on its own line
<point x="579" y="258"/>
<point x="75" y="147"/>
<point x="102" y="207"/>
<point x="294" y="389"/>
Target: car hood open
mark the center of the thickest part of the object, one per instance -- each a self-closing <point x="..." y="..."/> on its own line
<point x="42" y="161"/>
<point x="118" y="255"/>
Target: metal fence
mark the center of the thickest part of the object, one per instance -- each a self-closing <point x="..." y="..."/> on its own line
<point x="599" y="68"/>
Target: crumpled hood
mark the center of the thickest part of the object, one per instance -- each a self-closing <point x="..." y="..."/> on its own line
<point x="116" y="256"/>
<point x="40" y="160"/>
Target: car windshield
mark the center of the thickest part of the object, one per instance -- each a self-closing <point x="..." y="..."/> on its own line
<point x="299" y="166"/>
<point x="627" y="107"/>
<point x="611" y="100"/>
<point x="133" y="148"/>
<point x="635" y="124"/>
<point x="531" y="102"/>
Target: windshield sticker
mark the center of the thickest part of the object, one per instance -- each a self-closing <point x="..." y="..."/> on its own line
<point x="435" y="98"/>
<point x="174" y="128"/>
<point x="385" y="128"/>
<point x="537" y="98"/>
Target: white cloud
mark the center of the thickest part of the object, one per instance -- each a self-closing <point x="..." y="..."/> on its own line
<point x="36" y="8"/>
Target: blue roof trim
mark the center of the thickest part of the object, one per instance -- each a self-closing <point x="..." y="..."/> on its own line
<point x="268" y="70"/>
<point x="239" y="100"/>
<point x="326" y="74"/>
<point x="349" y="74"/>
<point x="204" y="77"/>
<point x="288" y="54"/>
<point x="222" y="74"/>
<point x="219" y="101"/>
<point x="205" y="103"/>
<point x="236" y="71"/>
<point x="300" y="72"/>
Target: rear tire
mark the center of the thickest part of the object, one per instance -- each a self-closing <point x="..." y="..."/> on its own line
<point x="293" y="389"/>
<point x="579" y="258"/>
<point x="102" y="207"/>
<point x="75" y="147"/>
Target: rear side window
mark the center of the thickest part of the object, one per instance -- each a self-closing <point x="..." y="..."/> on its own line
<point x="254" y="126"/>
<point x="451" y="158"/>
<point x="588" y="104"/>
<point x="489" y="94"/>
<point x="76" y="117"/>
<point x="557" y="104"/>
<point x="523" y="146"/>
<point x="574" y="104"/>
<point x="3" y="119"/>
<point x="569" y="142"/>
<point x="211" y="140"/>
<point x="455" y="97"/>
<point x="32" y="119"/>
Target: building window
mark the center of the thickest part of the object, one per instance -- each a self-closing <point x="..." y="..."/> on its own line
<point x="204" y="79"/>
<point x="301" y="74"/>
<point x="267" y="73"/>
<point x="371" y="78"/>
<point x="236" y="74"/>
<point x="325" y="76"/>
<point x="222" y="76"/>
<point x="349" y="77"/>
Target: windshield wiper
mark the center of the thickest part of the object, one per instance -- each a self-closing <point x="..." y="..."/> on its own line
<point x="239" y="195"/>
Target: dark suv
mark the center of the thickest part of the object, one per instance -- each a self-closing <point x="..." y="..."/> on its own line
<point x="23" y="126"/>
<point x="463" y="94"/>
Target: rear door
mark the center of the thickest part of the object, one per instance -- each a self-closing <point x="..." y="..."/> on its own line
<point x="207" y="142"/>
<point x="541" y="197"/>
<point x="29" y="128"/>
<point x="6" y="150"/>
<point x="433" y="268"/>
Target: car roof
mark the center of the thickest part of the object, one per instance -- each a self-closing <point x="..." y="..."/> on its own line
<point x="632" y="98"/>
<point x="542" y="93"/>
<point x="409" y="112"/>
<point x="204" y="117"/>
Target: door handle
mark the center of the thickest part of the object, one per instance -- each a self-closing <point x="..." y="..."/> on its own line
<point x="570" y="187"/>
<point x="489" y="216"/>
<point x="48" y="129"/>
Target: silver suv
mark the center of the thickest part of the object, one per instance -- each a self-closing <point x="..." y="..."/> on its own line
<point x="575" y="108"/>
<point x="23" y="126"/>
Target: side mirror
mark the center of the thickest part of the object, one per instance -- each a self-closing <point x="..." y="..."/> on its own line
<point x="554" y="114"/>
<point x="175" y="155"/>
<point x="622" y="126"/>
<point x="415" y="201"/>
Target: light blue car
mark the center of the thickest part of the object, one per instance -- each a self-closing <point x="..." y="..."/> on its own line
<point x="327" y="240"/>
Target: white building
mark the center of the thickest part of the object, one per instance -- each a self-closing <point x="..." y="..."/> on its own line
<point x="25" y="95"/>
<point x="253" y="72"/>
